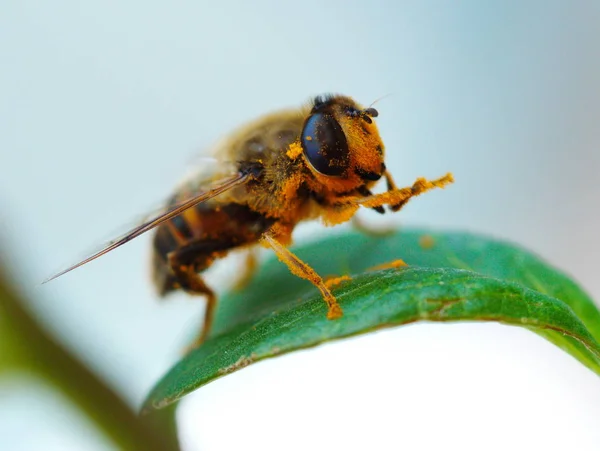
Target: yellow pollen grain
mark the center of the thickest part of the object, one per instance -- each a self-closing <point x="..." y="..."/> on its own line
<point x="335" y="281"/>
<point x="393" y="264"/>
<point x="294" y="150"/>
<point x="426" y="242"/>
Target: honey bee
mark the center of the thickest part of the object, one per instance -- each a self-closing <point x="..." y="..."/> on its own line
<point x="318" y="161"/>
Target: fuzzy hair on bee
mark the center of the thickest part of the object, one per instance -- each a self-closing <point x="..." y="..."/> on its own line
<point x="316" y="162"/>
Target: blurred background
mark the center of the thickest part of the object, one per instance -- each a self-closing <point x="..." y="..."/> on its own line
<point x="103" y="106"/>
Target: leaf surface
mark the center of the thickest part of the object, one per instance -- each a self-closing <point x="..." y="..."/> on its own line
<point x="450" y="277"/>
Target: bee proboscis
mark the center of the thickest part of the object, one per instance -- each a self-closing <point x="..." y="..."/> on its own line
<point x="318" y="161"/>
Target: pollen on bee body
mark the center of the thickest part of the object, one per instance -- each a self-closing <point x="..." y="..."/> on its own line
<point x="294" y="150"/>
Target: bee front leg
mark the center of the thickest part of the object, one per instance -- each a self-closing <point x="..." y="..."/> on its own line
<point x="301" y="269"/>
<point x="190" y="281"/>
<point x="396" y="198"/>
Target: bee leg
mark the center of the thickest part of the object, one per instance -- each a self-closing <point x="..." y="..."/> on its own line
<point x="364" y="191"/>
<point x="190" y="281"/>
<point x="250" y="267"/>
<point x="368" y="230"/>
<point x="301" y="269"/>
<point x="391" y="186"/>
<point x="396" y="198"/>
<point x="389" y="180"/>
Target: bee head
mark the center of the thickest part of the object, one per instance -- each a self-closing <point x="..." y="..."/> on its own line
<point x="340" y="139"/>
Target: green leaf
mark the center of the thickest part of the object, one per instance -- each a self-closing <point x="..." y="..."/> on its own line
<point x="450" y="277"/>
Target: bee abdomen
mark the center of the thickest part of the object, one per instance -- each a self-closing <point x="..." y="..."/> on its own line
<point x="200" y="235"/>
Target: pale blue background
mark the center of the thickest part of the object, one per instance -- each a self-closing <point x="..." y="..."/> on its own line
<point x="104" y="104"/>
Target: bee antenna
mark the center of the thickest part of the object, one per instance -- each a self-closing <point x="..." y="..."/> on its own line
<point x="380" y="98"/>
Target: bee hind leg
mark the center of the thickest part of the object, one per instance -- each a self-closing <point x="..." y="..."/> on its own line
<point x="187" y="278"/>
<point x="301" y="269"/>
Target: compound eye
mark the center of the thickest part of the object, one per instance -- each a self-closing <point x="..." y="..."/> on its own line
<point x="324" y="144"/>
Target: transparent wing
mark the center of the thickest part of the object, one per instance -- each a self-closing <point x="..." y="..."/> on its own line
<point x="219" y="187"/>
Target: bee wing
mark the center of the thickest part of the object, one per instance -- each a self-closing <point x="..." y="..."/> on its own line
<point x="157" y="219"/>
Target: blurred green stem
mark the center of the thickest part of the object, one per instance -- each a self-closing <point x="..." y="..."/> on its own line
<point x="26" y="346"/>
